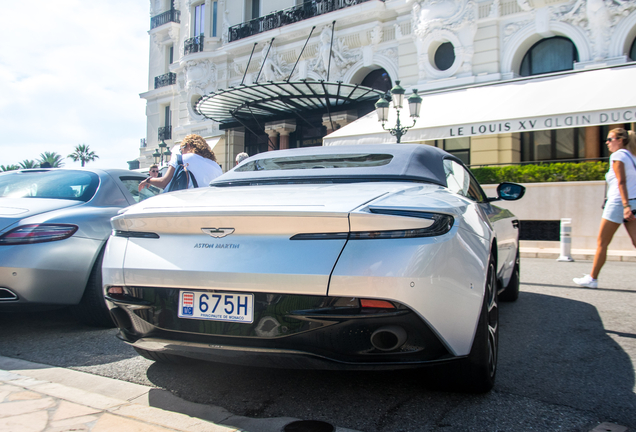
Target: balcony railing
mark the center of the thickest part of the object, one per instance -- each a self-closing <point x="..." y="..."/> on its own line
<point x="165" y="80"/>
<point x="164" y="133"/>
<point x="193" y="45"/>
<point x="172" y="15"/>
<point x="292" y="15"/>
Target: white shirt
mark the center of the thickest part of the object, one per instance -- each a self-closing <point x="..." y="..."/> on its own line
<point x="204" y="170"/>
<point x="613" y="194"/>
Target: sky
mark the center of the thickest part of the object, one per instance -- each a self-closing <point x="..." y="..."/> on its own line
<point x="71" y="72"/>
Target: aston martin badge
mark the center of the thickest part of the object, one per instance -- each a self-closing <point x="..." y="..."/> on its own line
<point x="218" y="232"/>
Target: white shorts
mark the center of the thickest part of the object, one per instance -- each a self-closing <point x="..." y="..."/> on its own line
<point x="613" y="211"/>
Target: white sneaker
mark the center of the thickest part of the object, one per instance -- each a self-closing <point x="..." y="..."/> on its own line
<point x="586" y="281"/>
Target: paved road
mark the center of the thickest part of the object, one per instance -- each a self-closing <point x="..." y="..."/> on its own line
<point x="567" y="361"/>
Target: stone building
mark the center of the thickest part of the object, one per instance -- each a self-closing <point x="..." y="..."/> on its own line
<point x="502" y="81"/>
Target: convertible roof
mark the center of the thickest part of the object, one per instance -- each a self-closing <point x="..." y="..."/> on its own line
<point x="388" y="162"/>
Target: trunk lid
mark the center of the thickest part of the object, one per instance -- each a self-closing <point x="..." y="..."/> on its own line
<point x="13" y="210"/>
<point x="239" y="238"/>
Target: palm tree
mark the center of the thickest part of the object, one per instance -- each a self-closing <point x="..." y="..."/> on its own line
<point x="9" y="167"/>
<point x="26" y="164"/>
<point x="83" y="153"/>
<point x="52" y="158"/>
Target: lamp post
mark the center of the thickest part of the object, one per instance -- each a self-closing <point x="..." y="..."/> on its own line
<point x="162" y="151"/>
<point x="397" y="96"/>
<point x="162" y="148"/>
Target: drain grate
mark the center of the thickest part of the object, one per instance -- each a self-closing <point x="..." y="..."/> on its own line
<point x="308" y="426"/>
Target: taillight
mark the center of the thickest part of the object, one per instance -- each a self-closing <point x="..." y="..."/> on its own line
<point x="37" y="233"/>
<point x="438" y="224"/>
<point x="135" y="234"/>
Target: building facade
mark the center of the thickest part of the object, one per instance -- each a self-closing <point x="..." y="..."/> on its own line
<point x="486" y="70"/>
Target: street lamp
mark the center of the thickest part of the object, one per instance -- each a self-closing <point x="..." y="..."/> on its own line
<point x="162" y="148"/>
<point x="397" y="96"/>
<point x="162" y="151"/>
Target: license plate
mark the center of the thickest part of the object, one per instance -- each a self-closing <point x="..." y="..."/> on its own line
<point x="211" y="306"/>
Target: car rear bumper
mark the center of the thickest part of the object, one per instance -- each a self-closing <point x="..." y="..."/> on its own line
<point x="46" y="273"/>
<point x="271" y="357"/>
<point x="288" y="331"/>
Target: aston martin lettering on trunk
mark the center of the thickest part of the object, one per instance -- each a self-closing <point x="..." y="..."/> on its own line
<point x="216" y="246"/>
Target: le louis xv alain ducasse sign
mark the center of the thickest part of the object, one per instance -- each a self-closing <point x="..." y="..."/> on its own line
<point x="594" y="118"/>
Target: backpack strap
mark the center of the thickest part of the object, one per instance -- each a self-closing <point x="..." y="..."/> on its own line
<point x="194" y="180"/>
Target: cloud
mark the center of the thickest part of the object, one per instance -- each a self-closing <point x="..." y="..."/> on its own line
<point x="70" y="73"/>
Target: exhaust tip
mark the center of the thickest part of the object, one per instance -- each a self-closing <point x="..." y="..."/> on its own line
<point x="388" y="338"/>
<point x="7" y="295"/>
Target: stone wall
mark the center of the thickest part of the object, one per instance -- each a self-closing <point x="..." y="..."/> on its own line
<point x="580" y="201"/>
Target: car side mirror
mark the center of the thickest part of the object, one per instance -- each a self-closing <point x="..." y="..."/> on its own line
<point x="509" y="192"/>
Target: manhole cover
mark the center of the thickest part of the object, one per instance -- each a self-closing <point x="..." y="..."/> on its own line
<point x="309" y="426"/>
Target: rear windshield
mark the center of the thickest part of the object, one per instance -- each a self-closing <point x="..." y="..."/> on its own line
<point x="60" y="184"/>
<point x="317" y="162"/>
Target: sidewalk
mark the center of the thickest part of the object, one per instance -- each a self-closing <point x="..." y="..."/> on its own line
<point x="576" y="254"/>
<point x="32" y="400"/>
<point x="36" y="397"/>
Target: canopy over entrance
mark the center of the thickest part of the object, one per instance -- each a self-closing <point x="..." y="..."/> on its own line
<point x="563" y="100"/>
<point x="278" y="99"/>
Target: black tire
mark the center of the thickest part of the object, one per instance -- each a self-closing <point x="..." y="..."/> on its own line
<point x="511" y="293"/>
<point x="163" y="357"/>
<point x="92" y="309"/>
<point x="479" y="369"/>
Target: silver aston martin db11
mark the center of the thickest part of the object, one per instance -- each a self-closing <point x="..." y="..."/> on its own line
<point x="367" y="257"/>
<point x="54" y="224"/>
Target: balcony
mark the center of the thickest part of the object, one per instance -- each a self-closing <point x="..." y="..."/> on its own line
<point x="172" y="15"/>
<point x="164" y="133"/>
<point x="193" y="45"/>
<point x="165" y="80"/>
<point x="285" y="17"/>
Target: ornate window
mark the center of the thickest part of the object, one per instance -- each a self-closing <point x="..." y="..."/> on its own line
<point x="553" y="54"/>
<point x="444" y="56"/>
<point x="199" y="20"/>
<point x="632" y="51"/>
<point x="378" y="79"/>
<point x="215" y="12"/>
<point x="253" y="9"/>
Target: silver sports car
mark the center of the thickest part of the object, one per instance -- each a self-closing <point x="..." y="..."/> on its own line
<point x="54" y="224"/>
<point x="368" y="257"/>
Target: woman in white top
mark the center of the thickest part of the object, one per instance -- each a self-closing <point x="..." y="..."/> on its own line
<point x="197" y="157"/>
<point x="621" y="199"/>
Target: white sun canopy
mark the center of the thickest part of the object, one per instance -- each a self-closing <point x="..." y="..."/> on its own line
<point x="574" y="99"/>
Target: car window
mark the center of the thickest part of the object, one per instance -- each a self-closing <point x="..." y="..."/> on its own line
<point x="55" y="184"/>
<point x="459" y="181"/>
<point x="132" y="185"/>
<point x="317" y="161"/>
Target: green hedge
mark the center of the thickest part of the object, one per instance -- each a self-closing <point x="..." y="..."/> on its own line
<point x="549" y="172"/>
